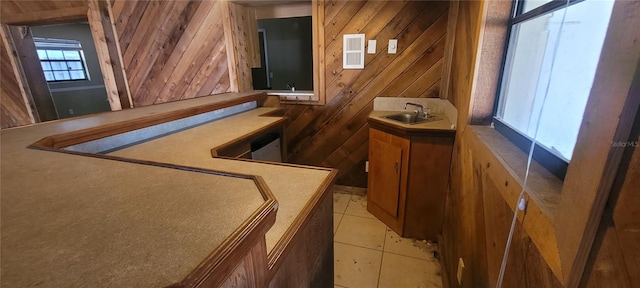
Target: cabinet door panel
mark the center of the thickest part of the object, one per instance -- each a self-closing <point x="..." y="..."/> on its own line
<point x="385" y="162"/>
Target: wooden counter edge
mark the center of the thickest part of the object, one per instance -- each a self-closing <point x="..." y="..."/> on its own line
<point x="97" y="132"/>
<point x="283" y="247"/>
<point x="217" y="268"/>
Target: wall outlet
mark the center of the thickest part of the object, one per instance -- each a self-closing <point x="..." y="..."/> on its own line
<point x="70" y="111"/>
<point x="366" y="166"/>
<point x="460" y="271"/>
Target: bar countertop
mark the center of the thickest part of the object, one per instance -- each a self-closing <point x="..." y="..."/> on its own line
<point x="75" y="220"/>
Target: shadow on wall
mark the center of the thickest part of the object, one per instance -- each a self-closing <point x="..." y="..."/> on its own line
<point x="78" y="97"/>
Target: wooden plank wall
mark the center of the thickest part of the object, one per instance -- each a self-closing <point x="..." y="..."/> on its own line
<point x="477" y="217"/>
<point x="172" y="50"/>
<point x="13" y="109"/>
<point x="335" y="135"/>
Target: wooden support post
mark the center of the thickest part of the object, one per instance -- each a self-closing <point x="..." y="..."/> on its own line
<point x="229" y="40"/>
<point x="110" y="64"/>
<point x="452" y="21"/>
<point x="317" y="27"/>
<point x="25" y="93"/>
<point x="32" y="74"/>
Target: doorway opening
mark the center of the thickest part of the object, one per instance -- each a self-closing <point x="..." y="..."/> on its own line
<point x="70" y="66"/>
<point x="286" y="54"/>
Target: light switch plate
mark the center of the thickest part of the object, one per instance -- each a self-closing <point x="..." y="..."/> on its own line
<point x="393" y="46"/>
<point x="371" y="47"/>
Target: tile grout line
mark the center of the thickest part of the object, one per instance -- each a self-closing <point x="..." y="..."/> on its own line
<point x="384" y="243"/>
<point x="407" y="256"/>
<point x="358" y="246"/>
<point x="337" y="227"/>
<point x="366" y="218"/>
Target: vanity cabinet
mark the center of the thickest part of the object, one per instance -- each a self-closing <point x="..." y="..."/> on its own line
<point x="408" y="179"/>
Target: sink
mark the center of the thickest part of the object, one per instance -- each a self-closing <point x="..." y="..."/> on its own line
<point x="411" y="118"/>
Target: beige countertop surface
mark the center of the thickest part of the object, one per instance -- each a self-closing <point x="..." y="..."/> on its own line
<point x="72" y="220"/>
<point x="195" y="144"/>
<point x="444" y="124"/>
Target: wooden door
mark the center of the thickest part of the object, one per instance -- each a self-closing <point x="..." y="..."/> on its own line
<point x="388" y="155"/>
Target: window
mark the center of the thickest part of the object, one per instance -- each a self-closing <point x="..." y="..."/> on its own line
<point x="61" y="60"/>
<point x="549" y="66"/>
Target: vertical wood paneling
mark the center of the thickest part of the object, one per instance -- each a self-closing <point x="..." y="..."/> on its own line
<point x="110" y="65"/>
<point x="525" y="266"/>
<point x="241" y="39"/>
<point x="463" y="234"/>
<point x="335" y="135"/>
<point x="172" y="50"/>
<point x="13" y="109"/>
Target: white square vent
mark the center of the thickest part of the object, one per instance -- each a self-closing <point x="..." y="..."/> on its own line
<point x="353" y="51"/>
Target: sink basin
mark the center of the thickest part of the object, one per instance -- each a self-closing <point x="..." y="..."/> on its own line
<point x="411" y="118"/>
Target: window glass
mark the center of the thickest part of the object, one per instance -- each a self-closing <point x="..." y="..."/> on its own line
<point x="71" y="55"/>
<point x="42" y="54"/>
<point x="46" y="66"/>
<point x="55" y="54"/>
<point x="61" y="60"/>
<point x="74" y="65"/>
<point x="61" y="75"/>
<point x="549" y="71"/>
<point x="76" y="75"/>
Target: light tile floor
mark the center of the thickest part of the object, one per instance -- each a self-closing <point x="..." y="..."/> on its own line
<point x="369" y="254"/>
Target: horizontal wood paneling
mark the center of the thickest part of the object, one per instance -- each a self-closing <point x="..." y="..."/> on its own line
<point x="335" y="135"/>
<point x="13" y="109"/>
<point x="172" y="50"/>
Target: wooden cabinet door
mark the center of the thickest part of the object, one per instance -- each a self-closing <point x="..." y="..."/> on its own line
<point x="388" y="166"/>
<point x="385" y="163"/>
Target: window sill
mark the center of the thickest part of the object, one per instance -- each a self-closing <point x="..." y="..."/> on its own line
<point x="306" y="97"/>
<point x="543" y="187"/>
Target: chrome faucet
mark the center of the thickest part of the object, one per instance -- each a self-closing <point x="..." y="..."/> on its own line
<point x="419" y="112"/>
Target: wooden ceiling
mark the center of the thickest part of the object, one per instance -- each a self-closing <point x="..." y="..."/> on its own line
<point x="42" y="12"/>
